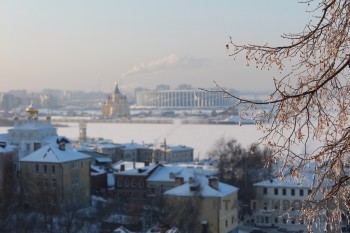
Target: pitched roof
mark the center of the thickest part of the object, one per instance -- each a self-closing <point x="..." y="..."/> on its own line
<point x="205" y="190"/>
<point x="144" y="171"/>
<point x="166" y="172"/>
<point x="52" y="154"/>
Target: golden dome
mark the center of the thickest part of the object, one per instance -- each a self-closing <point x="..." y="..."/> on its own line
<point x="31" y="111"/>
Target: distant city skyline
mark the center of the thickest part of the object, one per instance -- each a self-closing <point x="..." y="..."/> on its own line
<point x="89" y="45"/>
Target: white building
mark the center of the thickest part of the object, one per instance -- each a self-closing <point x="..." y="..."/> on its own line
<point x="182" y="99"/>
<point x="32" y="134"/>
<point x="278" y="204"/>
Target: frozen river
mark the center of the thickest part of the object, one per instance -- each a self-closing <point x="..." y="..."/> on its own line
<point x="201" y="137"/>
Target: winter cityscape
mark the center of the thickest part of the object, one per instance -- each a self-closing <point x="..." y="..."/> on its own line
<point x="137" y="168"/>
<point x="174" y="116"/>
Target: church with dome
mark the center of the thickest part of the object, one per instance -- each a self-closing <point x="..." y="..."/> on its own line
<point x="116" y="105"/>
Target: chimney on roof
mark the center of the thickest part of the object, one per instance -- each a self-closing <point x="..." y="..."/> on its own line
<point x="62" y="146"/>
<point x="3" y="144"/>
<point x="214" y="182"/>
<point x="179" y="180"/>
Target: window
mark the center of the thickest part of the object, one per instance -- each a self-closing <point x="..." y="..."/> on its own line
<point x="75" y="180"/>
<point x="120" y="182"/>
<point x="133" y="182"/>
<point x="36" y="168"/>
<point x="38" y="183"/>
<point x="276" y="191"/>
<point x="81" y="164"/>
<point x="46" y="183"/>
<point x="54" y="183"/>
<point x="265" y="191"/>
<point x="45" y="169"/>
<point x="301" y="192"/>
<point x="141" y="183"/>
<point x="309" y="192"/>
<point x="292" y="192"/>
<point x="127" y="183"/>
<point x="284" y="192"/>
<point x="53" y="169"/>
<point x="266" y="219"/>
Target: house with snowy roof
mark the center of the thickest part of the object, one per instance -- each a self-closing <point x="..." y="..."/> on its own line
<point x="136" y="152"/>
<point x="278" y="202"/>
<point x="165" y="176"/>
<point x="56" y="174"/>
<point x="132" y="183"/>
<point x="124" y="151"/>
<point x="202" y="204"/>
<point x="112" y="150"/>
<point x="172" y="154"/>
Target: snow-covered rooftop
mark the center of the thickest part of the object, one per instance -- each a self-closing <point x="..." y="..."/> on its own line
<point x="144" y="171"/>
<point x="204" y="189"/>
<point x="127" y="165"/>
<point x="167" y="172"/>
<point x="132" y="146"/>
<point x="7" y="148"/>
<point x="105" y="145"/>
<point x="98" y="169"/>
<point x="103" y="159"/>
<point x="52" y="154"/>
<point x="173" y="148"/>
<point x="287" y="183"/>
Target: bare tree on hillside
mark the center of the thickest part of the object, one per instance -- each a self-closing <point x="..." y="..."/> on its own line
<point x="241" y="167"/>
<point x="310" y="104"/>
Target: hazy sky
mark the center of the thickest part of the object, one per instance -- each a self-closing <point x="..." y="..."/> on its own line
<point x="90" y="44"/>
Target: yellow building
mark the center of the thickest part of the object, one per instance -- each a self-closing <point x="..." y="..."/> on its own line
<point x="204" y="205"/>
<point x="56" y="175"/>
<point x="116" y="105"/>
